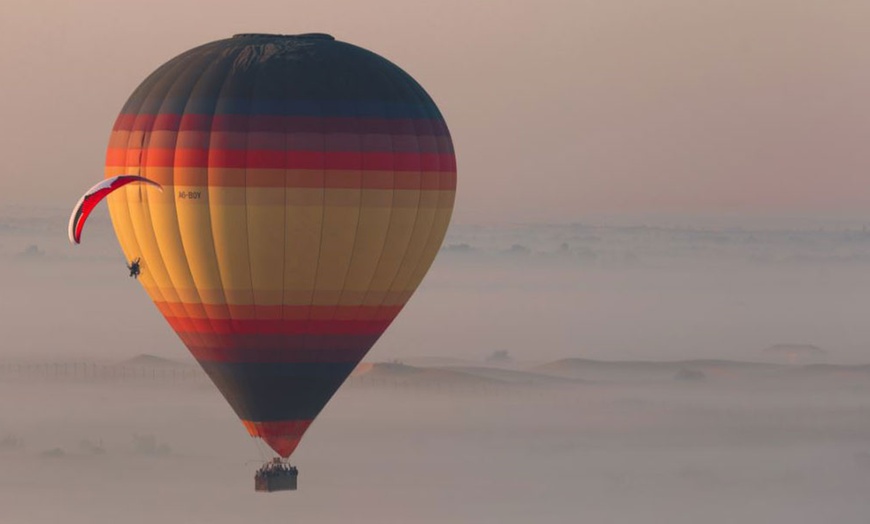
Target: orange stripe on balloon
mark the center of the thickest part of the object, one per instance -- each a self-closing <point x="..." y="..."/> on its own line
<point x="228" y="311"/>
<point x="300" y="178"/>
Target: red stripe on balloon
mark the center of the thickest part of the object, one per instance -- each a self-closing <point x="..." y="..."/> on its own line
<point x="272" y="159"/>
<point x="272" y="342"/>
<point x="280" y="327"/>
<point x="283" y="436"/>
<point x="279" y="124"/>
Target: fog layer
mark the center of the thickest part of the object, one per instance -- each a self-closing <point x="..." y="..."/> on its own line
<point x="751" y="446"/>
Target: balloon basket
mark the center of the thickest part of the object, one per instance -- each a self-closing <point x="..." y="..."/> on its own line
<point x="276" y="475"/>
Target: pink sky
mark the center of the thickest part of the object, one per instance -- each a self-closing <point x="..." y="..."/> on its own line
<point x="560" y="110"/>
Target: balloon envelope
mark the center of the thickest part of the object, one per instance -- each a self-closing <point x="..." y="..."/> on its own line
<point x="309" y="184"/>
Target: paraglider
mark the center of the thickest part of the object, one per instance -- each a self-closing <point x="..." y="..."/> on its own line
<point x="310" y="184"/>
<point x="94" y="196"/>
<point x="134" y="268"/>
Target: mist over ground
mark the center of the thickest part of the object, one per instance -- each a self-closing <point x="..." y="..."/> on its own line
<point x="787" y="444"/>
<point x="546" y="373"/>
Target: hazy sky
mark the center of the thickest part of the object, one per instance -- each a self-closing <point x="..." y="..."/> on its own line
<point x="559" y="109"/>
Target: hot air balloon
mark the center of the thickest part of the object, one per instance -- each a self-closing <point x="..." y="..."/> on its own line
<point x="308" y="187"/>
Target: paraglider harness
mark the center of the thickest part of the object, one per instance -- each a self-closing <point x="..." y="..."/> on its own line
<point x="276" y="475"/>
<point x="134" y="268"/>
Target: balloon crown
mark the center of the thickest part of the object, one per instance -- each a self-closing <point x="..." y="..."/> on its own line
<point x="303" y="36"/>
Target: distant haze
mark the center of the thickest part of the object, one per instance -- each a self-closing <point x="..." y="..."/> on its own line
<point x="560" y="110"/>
<point x="538" y="292"/>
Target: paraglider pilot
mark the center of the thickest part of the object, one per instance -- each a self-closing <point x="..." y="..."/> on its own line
<point x="134" y="268"/>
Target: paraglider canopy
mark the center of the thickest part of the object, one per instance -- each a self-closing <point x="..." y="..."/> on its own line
<point x="94" y="196"/>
